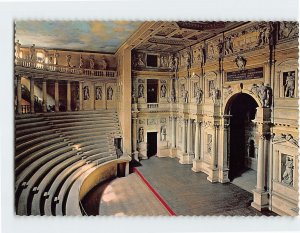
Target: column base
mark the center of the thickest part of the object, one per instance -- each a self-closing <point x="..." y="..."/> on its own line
<point x="260" y="200"/>
<point x="197" y="165"/>
<point x="223" y="175"/>
<point x="213" y="175"/>
<point x="186" y="158"/>
<point x="136" y="156"/>
<point x="173" y="153"/>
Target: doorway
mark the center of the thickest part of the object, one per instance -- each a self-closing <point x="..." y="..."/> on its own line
<point x="242" y="138"/>
<point x="151" y="144"/>
<point x="152" y="86"/>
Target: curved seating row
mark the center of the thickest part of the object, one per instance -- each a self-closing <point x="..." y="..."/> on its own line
<point x="53" y="150"/>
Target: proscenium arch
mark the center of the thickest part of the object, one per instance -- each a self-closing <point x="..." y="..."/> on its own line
<point x="233" y="96"/>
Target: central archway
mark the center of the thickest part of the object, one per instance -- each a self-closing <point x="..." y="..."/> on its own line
<point x="243" y="146"/>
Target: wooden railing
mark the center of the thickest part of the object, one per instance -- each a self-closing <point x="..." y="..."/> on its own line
<point x="64" y="69"/>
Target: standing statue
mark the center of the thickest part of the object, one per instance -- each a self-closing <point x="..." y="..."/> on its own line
<point x="99" y="93"/>
<point x="81" y="62"/>
<point x="228" y="45"/>
<point x="199" y="95"/>
<point x="109" y="93"/>
<point x="17" y="49"/>
<point x="185" y="96"/>
<point x="86" y="93"/>
<point x="92" y="63"/>
<point x="32" y="52"/>
<point x="265" y="94"/>
<point x="141" y="134"/>
<point x="141" y="91"/>
<point x="68" y="57"/>
<point x="173" y="95"/>
<point x="220" y="47"/>
<point x="163" y="91"/>
<point x="188" y="60"/>
<point x="56" y="55"/>
<point x="176" y="63"/>
<point x="163" y="133"/>
<point x="289" y="85"/>
<point x="287" y="177"/>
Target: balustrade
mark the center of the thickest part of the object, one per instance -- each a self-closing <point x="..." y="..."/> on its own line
<point x="152" y="105"/>
<point x="64" y="69"/>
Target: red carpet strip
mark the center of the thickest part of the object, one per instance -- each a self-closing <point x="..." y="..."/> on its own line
<point x="171" y="212"/>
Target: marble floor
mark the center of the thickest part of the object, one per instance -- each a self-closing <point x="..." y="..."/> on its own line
<point x="246" y="181"/>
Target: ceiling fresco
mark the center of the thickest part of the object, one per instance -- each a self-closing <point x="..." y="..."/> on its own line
<point x="98" y="36"/>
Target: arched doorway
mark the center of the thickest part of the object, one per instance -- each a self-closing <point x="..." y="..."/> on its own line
<point x="243" y="146"/>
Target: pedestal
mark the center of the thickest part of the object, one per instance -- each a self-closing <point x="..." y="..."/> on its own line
<point x="186" y="158"/>
<point x="260" y="200"/>
<point x="223" y="175"/>
<point x="213" y="175"/>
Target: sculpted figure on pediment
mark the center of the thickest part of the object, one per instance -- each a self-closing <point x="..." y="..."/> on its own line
<point x="288" y="29"/>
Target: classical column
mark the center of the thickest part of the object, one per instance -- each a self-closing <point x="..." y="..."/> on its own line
<point x="197" y="141"/>
<point x="19" y="95"/>
<point x="32" y="95"/>
<point x="201" y="154"/>
<point x="134" y="136"/>
<point x="184" y="136"/>
<point x="94" y="95"/>
<point x="213" y="147"/>
<point x="68" y="95"/>
<point x="44" y="95"/>
<point x="80" y="96"/>
<point x="189" y="134"/>
<point x="56" y="96"/>
<point x="260" y="165"/>
<point x="173" y="132"/>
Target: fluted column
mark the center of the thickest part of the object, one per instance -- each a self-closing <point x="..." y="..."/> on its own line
<point x="80" y="96"/>
<point x="213" y="147"/>
<point x="134" y="133"/>
<point x="56" y="95"/>
<point x="197" y="141"/>
<point x="173" y="132"/>
<point x="44" y="95"/>
<point x="184" y="136"/>
<point x="68" y="95"/>
<point x="189" y="137"/>
<point x="19" y="95"/>
<point x="32" y="95"/>
<point x="260" y="164"/>
<point x="93" y="94"/>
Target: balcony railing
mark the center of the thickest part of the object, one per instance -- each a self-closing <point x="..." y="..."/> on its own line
<point x="64" y="69"/>
<point x="152" y="105"/>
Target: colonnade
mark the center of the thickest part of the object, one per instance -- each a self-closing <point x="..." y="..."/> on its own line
<point x="80" y="105"/>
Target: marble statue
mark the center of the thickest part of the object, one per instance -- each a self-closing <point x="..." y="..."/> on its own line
<point x="109" y="93"/>
<point x="68" y="57"/>
<point x="86" y="93"/>
<point x="99" y="93"/>
<point x="56" y="55"/>
<point x="185" y="96"/>
<point x="228" y="45"/>
<point x="265" y="94"/>
<point x="141" y="134"/>
<point x="287" y="177"/>
<point x="240" y="62"/>
<point x="188" y="60"/>
<point x="81" y="62"/>
<point x="199" y="95"/>
<point x="17" y="49"/>
<point x="32" y="52"/>
<point x="163" y="133"/>
<point x="92" y="63"/>
<point x="173" y="95"/>
<point x="289" y="85"/>
<point x="163" y="91"/>
<point x="141" y="91"/>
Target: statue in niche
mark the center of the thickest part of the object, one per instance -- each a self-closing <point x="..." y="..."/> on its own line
<point x="81" y="62"/>
<point x="92" y="63"/>
<point x="32" y="52"/>
<point x="188" y="60"/>
<point x="228" y="45"/>
<point x="289" y="85"/>
<point x="99" y="93"/>
<point x="174" y="63"/>
<point x="17" y="49"/>
<point x="56" y="56"/>
<point x="199" y="95"/>
<point x="163" y="91"/>
<point x="86" y="93"/>
<point x="287" y="177"/>
<point x="163" y="61"/>
<point x="173" y="95"/>
<point x="240" y="61"/>
<point x="104" y="64"/>
<point x="134" y="99"/>
<point x="68" y="57"/>
<point x="140" y="61"/>
<point x="141" y="134"/>
<point x="141" y="91"/>
<point x="220" y="47"/>
<point x="211" y="51"/>
<point x="109" y="93"/>
<point x="163" y="133"/>
<point x="265" y="94"/>
<point x="185" y="96"/>
<point x="211" y="87"/>
<point x="215" y="94"/>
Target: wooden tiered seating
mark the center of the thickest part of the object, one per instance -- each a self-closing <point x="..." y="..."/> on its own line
<point x="53" y="150"/>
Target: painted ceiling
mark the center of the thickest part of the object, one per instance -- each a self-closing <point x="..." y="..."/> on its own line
<point x="99" y="36"/>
